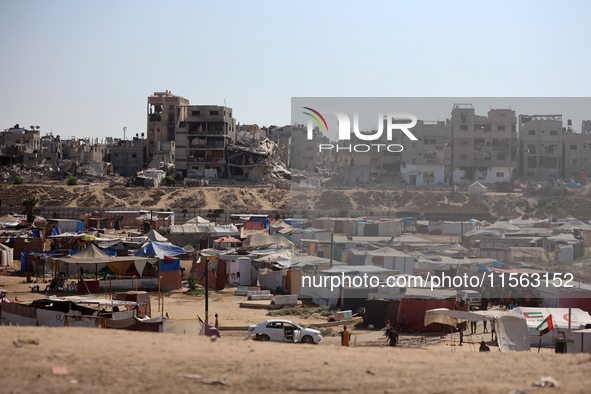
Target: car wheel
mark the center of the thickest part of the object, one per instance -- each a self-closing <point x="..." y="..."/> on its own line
<point x="265" y="337"/>
<point x="307" y="339"/>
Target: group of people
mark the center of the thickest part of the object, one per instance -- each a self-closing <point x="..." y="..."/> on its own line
<point x="391" y="335"/>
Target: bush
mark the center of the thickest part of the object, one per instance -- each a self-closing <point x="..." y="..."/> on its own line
<point x="72" y="181"/>
<point x="19" y="181"/>
<point x="168" y="181"/>
<point x="192" y="282"/>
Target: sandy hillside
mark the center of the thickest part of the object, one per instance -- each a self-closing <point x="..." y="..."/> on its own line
<point x="116" y="196"/>
<point x="268" y="198"/>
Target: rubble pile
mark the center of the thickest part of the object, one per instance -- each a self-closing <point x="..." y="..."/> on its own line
<point x="87" y="172"/>
<point x="256" y="158"/>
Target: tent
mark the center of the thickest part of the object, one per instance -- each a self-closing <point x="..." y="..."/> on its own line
<point x="6" y="255"/>
<point x="512" y="329"/>
<point x="156" y="237"/>
<point x="579" y="319"/>
<point x="198" y="220"/>
<point x="477" y="188"/>
<point x="93" y="255"/>
<point x="160" y="249"/>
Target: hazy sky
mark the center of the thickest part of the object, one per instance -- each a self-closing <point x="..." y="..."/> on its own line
<point x="85" y="69"/>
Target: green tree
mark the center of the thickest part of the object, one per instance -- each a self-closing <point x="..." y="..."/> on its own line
<point x="168" y="181"/>
<point x="19" y="181"/>
<point x="30" y="203"/>
<point x="72" y="181"/>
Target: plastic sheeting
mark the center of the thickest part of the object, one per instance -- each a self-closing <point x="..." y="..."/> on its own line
<point x="160" y="249"/>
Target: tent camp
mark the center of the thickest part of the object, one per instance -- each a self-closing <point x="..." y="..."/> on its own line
<point x="579" y="319"/>
<point x="512" y="329"/>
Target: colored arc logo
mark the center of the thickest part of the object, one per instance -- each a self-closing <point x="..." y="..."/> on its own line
<point x="315" y="118"/>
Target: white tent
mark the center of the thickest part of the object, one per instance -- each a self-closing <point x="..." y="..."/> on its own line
<point x="560" y="318"/>
<point x="198" y="220"/>
<point x="512" y="330"/>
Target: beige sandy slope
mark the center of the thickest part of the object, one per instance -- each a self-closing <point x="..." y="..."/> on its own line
<point x="106" y="361"/>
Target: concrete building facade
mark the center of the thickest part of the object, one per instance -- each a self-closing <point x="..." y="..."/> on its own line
<point x="485" y="148"/>
<point x="541" y="146"/>
<point x="201" y="141"/>
<point x="424" y="161"/>
<point x="129" y="157"/>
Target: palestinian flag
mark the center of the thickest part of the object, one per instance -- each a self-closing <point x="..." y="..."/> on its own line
<point x="546" y="326"/>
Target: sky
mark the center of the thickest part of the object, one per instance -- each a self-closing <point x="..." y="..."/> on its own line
<point x="85" y="69"/>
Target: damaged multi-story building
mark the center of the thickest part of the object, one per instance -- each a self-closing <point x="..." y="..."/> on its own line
<point x="255" y="157"/>
<point x="485" y="148"/>
<point x="194" y="137"/>
<point x="20" y="145"/>
<point x="540" y="140"/>
<point x="129" y="156"/>
<point x="577" y="151"/>
<point x="424" y="161"/>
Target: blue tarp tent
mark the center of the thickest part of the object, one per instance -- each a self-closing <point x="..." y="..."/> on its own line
<point x="159" y="249"/>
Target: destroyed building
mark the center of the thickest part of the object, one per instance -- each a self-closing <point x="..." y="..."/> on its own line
<point x="129" y="157"/>
<point x="255" y="158"/>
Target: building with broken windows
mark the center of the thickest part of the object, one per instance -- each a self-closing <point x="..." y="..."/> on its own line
<point x="20" y="145"/>
<point x="165" y="112"/>
<point x="540" y="140"/>
<point x="129" y="157"/>
<point x="423" y="161"/>
<point x="485" y="148"/>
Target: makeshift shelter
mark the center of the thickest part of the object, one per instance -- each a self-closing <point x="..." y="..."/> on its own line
<point x="93" y="255"/>
<point x="274" y="241"/>
<point x="216" y="269"/>
<point x="391" y="259"/>
<point x="240" y="272"/>
<point x="170" y="273"/>
<point x="198" y="220"/>
<point x="156" y="237"/>
<point x="6" y="255"/>
<point x="160" y="249"/>
<point x="512" y="332"/>
<point x="477" y="188"/>
<point x="579" y="319"/>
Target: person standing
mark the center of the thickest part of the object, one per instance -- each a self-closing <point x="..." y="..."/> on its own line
<point x="345" y="337"/>
<point x="392" y="337"/>
<point x="217" y="322"/>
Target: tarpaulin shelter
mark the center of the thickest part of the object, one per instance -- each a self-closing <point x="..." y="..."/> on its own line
<point x="118" y="264"/>
<point x="170" y="272"/>
<point x="160" y="249"/>
<point x="216" y="269"/>
<point x="414" y="310"/>
<point x="512" y="332"/>
<point x="156" y="237"/>
<point x="579" y="319"/>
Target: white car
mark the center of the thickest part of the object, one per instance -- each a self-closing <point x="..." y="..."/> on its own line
<point x="284" y="331"/>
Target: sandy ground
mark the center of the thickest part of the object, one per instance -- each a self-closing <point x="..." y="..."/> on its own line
<point x="100" y="361"/>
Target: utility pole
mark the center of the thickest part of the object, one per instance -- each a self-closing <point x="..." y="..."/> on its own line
<point x="331" y="245"/>
<point x="206" y="264"/>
